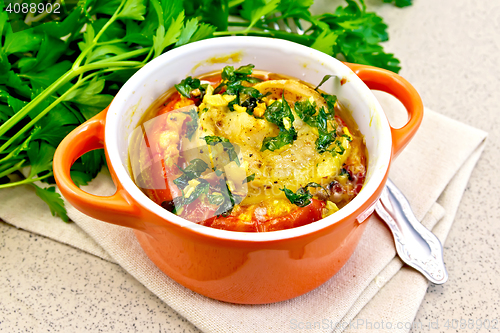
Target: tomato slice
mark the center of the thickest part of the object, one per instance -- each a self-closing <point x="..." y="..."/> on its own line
<point x="172" y="101"/>
<point x="296" y="218"/>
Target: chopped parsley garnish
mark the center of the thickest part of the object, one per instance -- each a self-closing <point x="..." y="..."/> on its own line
<point x="192" y="125"/>
<point x="201" y="188"/>
<point x="187" y="86"/>
<point x="232" y="81"/>
<point x="249" y="178"/>
<point x="194" y="170"/>
<point x="194" y="186"/>
<point x="247" y="97"/>
<point x="330" y="103"/>
<point x="228" y="200"/>
<point x="325" y="138"/>
<point x="231" y="75"/>
<point x="306" y="111"/>
<point x="229" y="148"/>
<point x="325" y="78"/>
<point x="212" y="140"/>
<point x="302" y="197"/>
<point x="280" y="114"/>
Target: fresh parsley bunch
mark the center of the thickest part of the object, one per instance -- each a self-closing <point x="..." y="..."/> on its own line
<point x="55" y="74"/>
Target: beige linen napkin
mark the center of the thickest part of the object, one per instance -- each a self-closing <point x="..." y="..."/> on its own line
<point x="433" y="172"/>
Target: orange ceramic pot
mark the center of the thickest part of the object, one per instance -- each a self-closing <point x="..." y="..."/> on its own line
<point x="239" y="267"/>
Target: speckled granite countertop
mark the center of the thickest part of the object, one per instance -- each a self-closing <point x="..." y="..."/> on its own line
<point x="450" y="52"/>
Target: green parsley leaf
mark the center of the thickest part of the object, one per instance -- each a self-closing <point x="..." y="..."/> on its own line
<point x="70" y="26"/>
<point x="106" y="7"/>
<point x="40" y="156"/>
<point x="105" y="51"/>
<point x="3" y="21"/>
<point x="330" y="103"/>
<point x="164" y="39"/>
<point x="53" y="200"/>
<point x="236" y="76"/>
<point x="133" y="9"/>
<point x="49" y="75"/>
<point x="213" y="12"/>
<point x="253" y="10"/>
<point x="111" y="32"/>
<point x="247" y="97"/>
<point x="325" y="41"/>
<point x="204" y="31"/>
<point x="51" y="49"/>
<point x="93" y="161"/>
<point x="230" y="200"/>
<point x="14" y="153"/>
<point x="22" y="41"/>
<point x="80" y="178"/>
<point x="88" y="38"/>
<point x="90" y="94"/>
<point x="55" y="125"/>
<point x="189" y="29"/>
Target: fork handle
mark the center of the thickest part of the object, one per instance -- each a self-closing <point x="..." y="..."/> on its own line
<point x="416" y="245"/>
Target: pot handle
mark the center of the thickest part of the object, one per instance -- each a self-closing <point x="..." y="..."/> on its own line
<point x="118" y="208"/>
<point x="392" y="83"/>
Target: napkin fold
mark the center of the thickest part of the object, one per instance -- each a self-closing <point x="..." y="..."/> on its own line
<point x="372" y="287"/>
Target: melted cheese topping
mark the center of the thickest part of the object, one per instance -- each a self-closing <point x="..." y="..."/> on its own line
<point x="293" y="165"/>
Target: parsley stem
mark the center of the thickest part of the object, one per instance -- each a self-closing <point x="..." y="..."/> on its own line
<point x="12" y="169"/>
<point x="151" y="50"/>
<point x="127" y="55"/>
<point x="237" y="24"/>
<point x="26" y="181"/>
<point x="241" y="32"/>
<point x="44" y="112"/>
<point x="266" y="33"/>
<point x="234" y="3"/>
<point x="108" y="42"/>
<point x="12" y="152"/>
<point x="71" y="74"/>
<point x="104" y="65"/>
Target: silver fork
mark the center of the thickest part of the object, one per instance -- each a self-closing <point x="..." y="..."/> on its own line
<point x="416" y="245"/>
